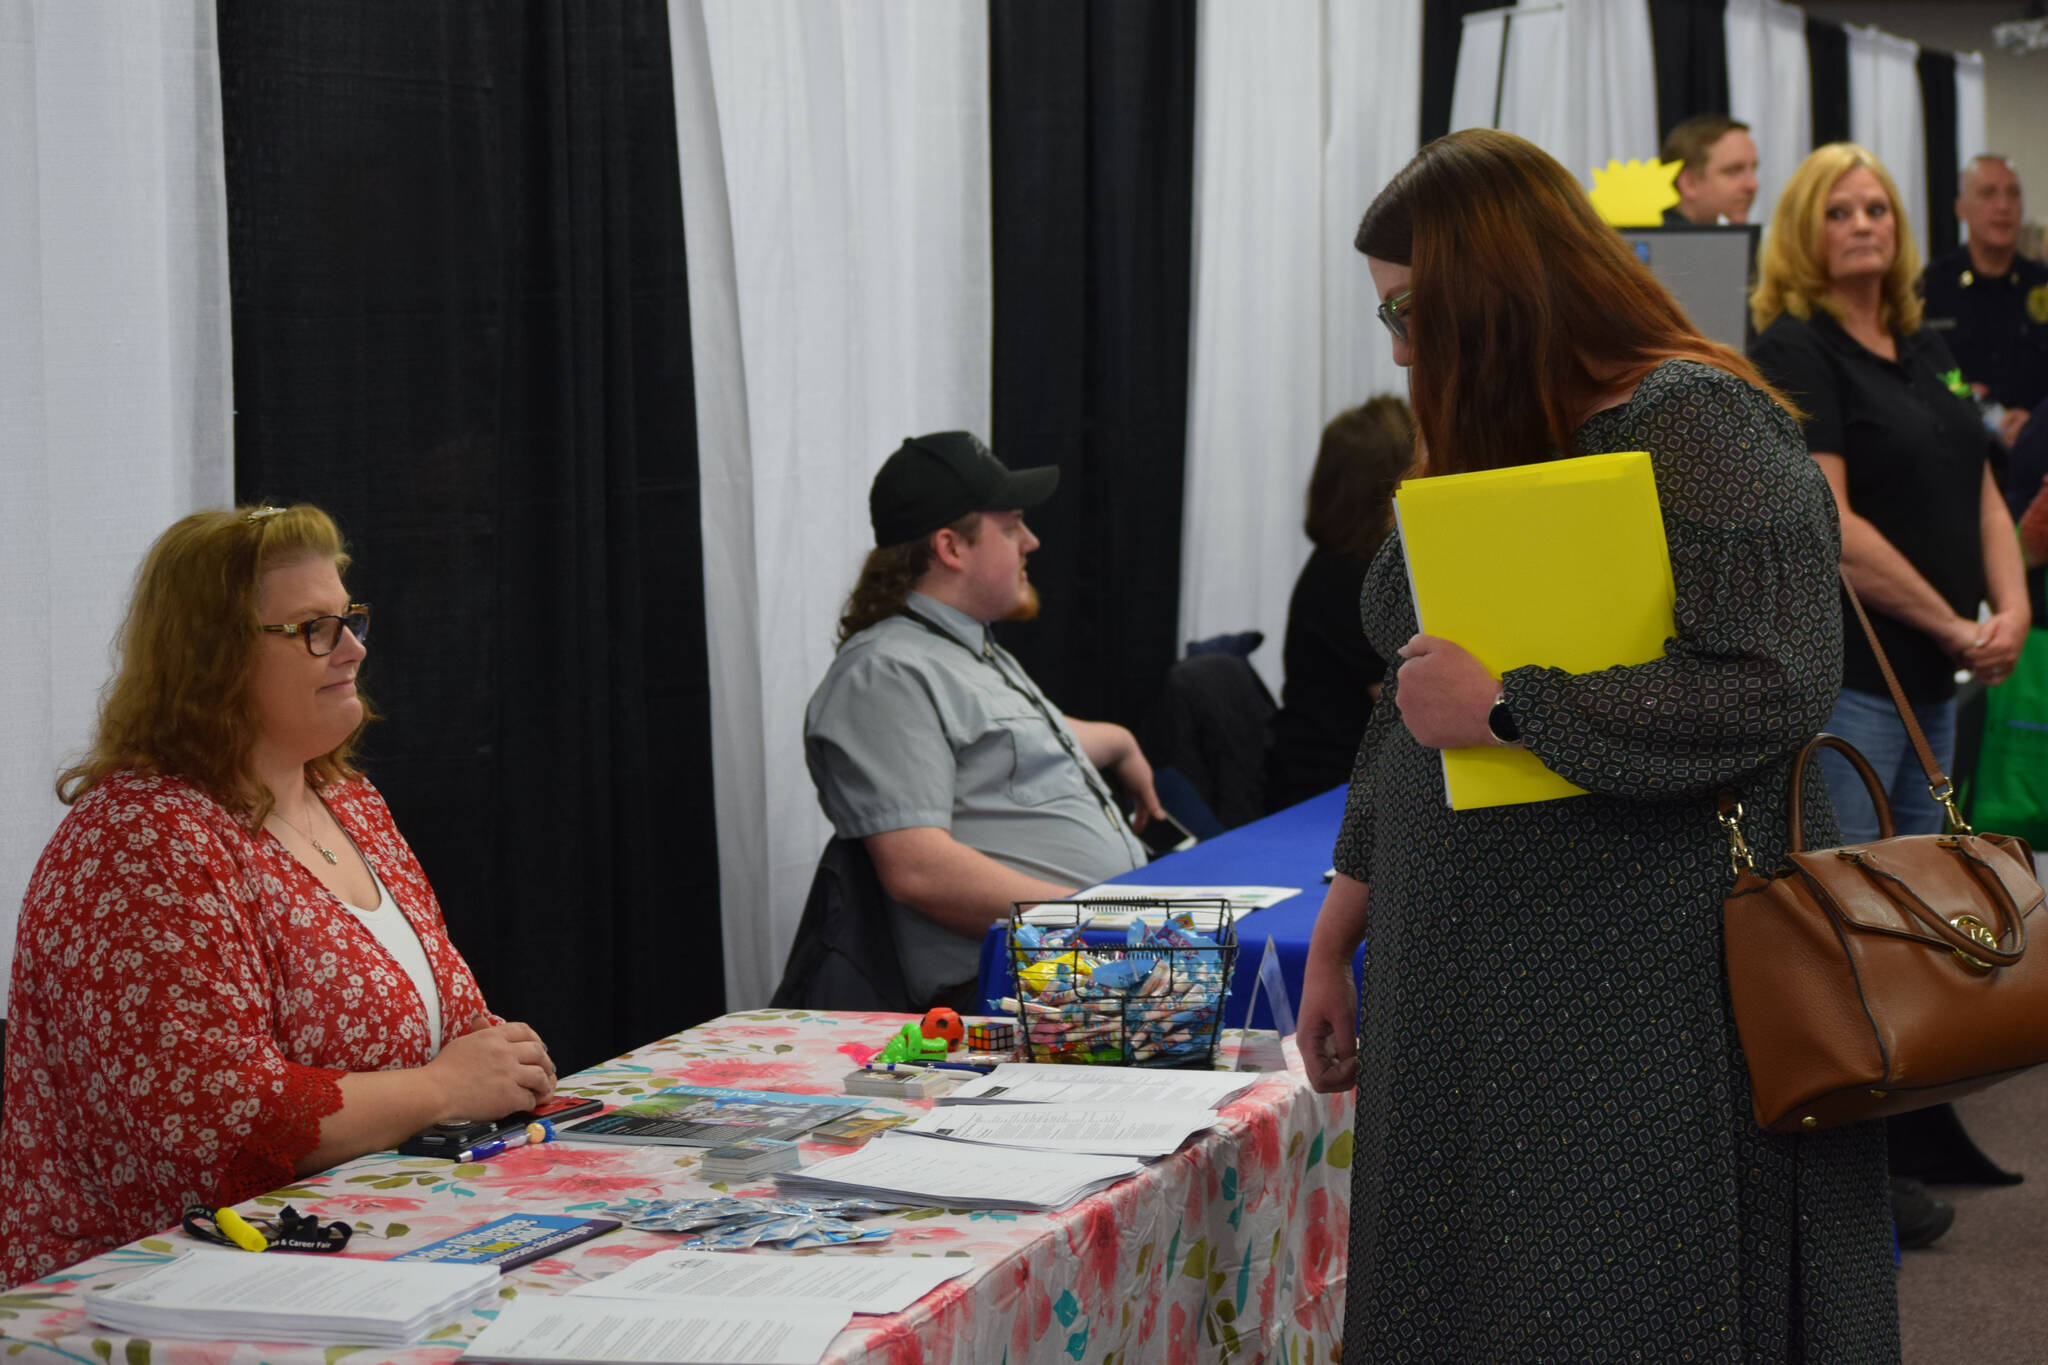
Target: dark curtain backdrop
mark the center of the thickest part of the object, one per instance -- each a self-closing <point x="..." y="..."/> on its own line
<point x="461" y="324"/>
<point x="1092" y="133"/>
<point x="1827" y="61"/>
<point x="1443" y="27"/>
<point x="1689" y="42"/>
<point x="1938" y="102"/>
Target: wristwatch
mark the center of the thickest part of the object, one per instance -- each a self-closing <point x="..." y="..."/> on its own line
<point x="1500" y="723"/>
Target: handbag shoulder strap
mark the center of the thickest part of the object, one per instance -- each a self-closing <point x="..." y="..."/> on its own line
<point x="1938" y="785"/>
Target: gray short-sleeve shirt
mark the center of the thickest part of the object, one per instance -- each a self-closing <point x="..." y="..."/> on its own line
<point x="911" y="728"/>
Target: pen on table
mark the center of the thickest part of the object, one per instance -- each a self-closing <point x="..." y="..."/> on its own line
<point x="534" y="1133"/>
<point x="975" y="1067"/>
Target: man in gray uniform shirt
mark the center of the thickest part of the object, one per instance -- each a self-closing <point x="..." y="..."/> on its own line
<point x="929" y="743"/>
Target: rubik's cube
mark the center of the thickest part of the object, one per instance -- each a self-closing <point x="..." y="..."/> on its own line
<point x="993" y="1035"/>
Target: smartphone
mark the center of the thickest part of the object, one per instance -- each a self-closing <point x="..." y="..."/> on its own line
<point x="1163" y="834"/>
<point x="446" y="1139"/>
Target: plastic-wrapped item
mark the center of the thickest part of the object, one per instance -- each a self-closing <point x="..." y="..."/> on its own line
<point x="730" y="1223"/>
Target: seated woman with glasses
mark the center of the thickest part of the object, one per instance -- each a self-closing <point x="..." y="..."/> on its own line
<point x="230" y="968"/>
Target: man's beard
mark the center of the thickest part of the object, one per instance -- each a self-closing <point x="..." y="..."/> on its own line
<point x="1027" y="604"/>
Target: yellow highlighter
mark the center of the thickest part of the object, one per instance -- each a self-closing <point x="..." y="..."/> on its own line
<point x="237" y="1230"/>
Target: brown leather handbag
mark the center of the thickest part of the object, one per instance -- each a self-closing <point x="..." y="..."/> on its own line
<point x="1877" y="978"/>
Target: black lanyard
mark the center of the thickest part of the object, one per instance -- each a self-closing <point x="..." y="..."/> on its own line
<point x="987" y="654"/>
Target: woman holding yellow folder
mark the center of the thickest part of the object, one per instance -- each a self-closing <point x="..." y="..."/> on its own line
<point x="1555" y="1155"/>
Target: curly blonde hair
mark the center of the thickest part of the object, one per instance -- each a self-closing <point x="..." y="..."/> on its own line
<point x="1792" y="276"/>
<point x="180" y="699"/>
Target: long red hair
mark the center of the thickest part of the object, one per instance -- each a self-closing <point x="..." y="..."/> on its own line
<point x="1524" y="306"/>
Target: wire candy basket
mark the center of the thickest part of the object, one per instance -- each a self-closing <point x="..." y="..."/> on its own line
<point x="1136" y="982"/>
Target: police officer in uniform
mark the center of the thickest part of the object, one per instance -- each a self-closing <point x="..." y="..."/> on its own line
<point x="1991" y="303"/>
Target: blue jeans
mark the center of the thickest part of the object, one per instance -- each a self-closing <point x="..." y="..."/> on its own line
<point x="1871" y="723"/>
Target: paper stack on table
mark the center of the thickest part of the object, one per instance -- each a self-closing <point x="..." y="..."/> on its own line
<point x="862" y="1284"/>
<point x="1121" y="1087"/>
<point x="1146" y="1134"/>
<point x="210" y="1294"/>
<point x="567" y="1329"/>
<point x="910" y="1169"/>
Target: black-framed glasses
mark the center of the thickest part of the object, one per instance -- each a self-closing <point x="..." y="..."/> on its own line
<point x="323" y="633"/>
<point x="1394" y="313"/>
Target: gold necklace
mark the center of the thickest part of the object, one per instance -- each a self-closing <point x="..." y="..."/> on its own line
<point x="325" y="851"/>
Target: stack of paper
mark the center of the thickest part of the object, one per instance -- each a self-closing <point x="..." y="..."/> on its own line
<point x="237" y="1296"/>
<point x="908" y="1169"/>
<point x="863" y="1284"/>
<point x="748" y="1159"/>
<point x="1112" y="1087"/>
<point x="562" y="1329"/>
<point x="1144" y="1134"/>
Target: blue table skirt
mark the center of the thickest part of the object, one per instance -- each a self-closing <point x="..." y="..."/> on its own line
<point x="1288" y="848"/>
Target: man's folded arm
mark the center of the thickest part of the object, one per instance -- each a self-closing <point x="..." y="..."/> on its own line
<point x="947" y="882"/>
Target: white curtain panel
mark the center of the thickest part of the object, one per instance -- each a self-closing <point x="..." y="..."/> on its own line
<point x="1770" y="88"/>
<point x="1302" y="112"/>
<point x="836" y="199"/>
<point x="1374" y="104"/>
<point x="1579" y="79"/>
<point x="1475" y="84"/>
<point x="1885" y="115"/>
<point x="114" y="357"/>
<point x="1971" y="134"/>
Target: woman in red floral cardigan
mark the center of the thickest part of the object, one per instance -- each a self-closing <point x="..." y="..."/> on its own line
<point x="230" y="968"/>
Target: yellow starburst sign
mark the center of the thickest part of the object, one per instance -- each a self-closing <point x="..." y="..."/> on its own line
<point x="1635" y="193"/>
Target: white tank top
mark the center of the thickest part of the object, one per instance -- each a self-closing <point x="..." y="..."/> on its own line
<point x="395" y="932"/>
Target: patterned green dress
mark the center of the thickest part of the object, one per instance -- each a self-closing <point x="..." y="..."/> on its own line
<point x="1556" y="1159"/>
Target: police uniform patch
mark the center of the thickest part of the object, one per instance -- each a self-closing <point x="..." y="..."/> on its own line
<point x="2037" y="303"/>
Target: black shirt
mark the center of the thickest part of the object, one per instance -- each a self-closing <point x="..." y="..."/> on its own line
<point x="1915" y="455"/>
<point x="1324" y="702"/>
<point x="1996" y="326"/>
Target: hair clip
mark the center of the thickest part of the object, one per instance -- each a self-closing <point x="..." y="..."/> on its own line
<point x="259" y="513"/>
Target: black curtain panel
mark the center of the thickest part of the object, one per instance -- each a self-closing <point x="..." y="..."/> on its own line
<point x="461" y="325"/>
<point x="1443" y="27"/>
<point x="1827" y="61"/>
<point x="1938" y="103"/>
<point x="1690" y="48"/>
<point x="1092" y="146"/>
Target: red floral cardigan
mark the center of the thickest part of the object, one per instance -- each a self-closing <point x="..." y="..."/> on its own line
<point x="186" y="999"/>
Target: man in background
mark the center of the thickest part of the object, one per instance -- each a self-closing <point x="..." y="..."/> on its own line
<point x="1991" y="303"/>
<point x="929" y="743"/>
<point x="1718" y="181"/>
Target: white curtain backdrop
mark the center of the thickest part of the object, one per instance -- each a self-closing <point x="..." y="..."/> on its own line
<point x="1302" y="112"/>
<point x="1476" y="82"/>
<point x="114" y="357"/>
<point x="1770" y="89"/>
<point x="1579" y="80"/>
<point x="1970" y="130"/>
<point x="836" y="199"/>
<point x="1885" y="115"/>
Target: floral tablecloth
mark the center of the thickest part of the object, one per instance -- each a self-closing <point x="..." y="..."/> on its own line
<point x="1230" y="1250"/>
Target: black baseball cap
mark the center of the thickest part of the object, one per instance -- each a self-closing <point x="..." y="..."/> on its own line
<point x="935" y="480"/>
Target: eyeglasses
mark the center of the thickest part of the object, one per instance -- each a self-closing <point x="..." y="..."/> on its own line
<point x="323" y="633"/>
<point x="1394" y="313"/>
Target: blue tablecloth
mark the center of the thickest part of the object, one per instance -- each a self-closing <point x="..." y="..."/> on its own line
<point x="1288" y="848"/>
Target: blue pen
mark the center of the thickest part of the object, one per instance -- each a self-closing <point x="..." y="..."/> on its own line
<point x="491" y="1148"/>
<point x="932" y="1066"/>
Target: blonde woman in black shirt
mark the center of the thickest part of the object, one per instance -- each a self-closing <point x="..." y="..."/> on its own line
<point x="1925" y="534"/>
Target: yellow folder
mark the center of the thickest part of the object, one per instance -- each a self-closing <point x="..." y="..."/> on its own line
<point x="1561" y="564"/>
